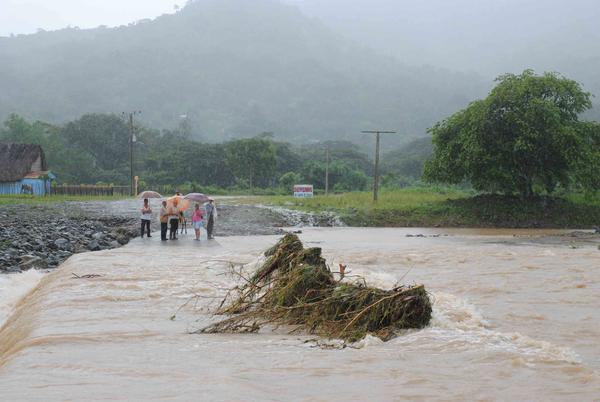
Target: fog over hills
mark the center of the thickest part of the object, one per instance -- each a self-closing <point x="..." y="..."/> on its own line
<point x="308" y="71"/>
<point x="235" y="68"/>
<point x="481" y="36"/>
<point x="488" y="37"/>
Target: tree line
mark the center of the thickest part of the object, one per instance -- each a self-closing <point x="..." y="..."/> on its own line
<point x="94" y="149"/>
<point x="526" y="137"/>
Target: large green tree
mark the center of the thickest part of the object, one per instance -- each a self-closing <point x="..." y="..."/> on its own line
<point x="252" y="159"/>
<point x="525" y="137"/>
<point x="104" y="137"/>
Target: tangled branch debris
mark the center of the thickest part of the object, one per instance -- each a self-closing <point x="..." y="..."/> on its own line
<point x="87" y="276"/>
<point x="295" y="287"/>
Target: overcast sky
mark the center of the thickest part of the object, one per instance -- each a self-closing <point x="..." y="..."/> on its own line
<point x="26" y="16"/>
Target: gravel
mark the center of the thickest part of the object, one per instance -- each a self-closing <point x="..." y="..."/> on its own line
<point x="44" y="235"/>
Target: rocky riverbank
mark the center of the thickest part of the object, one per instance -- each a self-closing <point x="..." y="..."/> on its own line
<point x="43" y="236"/>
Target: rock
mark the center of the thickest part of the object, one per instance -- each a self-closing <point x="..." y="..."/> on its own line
<point x="12" y="252"/>
<point x="27" y="257"/>
<point x="63" y="244"/>
<point x="122" y="239"/>
<point x="45" y="235"/>
<point x="94" y="245"/>
<point x="122" y="231"/>
<point x="13" y="269"/>
<point x="30" y="261"/>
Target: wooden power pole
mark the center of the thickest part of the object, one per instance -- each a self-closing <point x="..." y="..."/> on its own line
<point x="132" y="139"/>
<point x="376" y="181"/>
<point x="327" y="170"/>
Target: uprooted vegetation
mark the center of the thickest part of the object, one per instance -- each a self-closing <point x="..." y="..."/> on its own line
<point x="295" y="287"/>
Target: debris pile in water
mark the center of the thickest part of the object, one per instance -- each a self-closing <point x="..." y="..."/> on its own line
<point x="295" y="287"/>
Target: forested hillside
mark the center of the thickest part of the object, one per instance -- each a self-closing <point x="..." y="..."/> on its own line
<point x="226" y="69"/>
<point x="489" y="38"/>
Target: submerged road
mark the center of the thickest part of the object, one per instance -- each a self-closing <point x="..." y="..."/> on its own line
<point x="514" y="319"/>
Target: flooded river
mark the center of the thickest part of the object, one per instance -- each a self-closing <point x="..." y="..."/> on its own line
<point x="514" y="318"/>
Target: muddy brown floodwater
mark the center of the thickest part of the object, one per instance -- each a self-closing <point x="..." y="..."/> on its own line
<point x="515" y="318"/>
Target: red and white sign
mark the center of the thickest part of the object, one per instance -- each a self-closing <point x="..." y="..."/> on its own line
<point x="303" y="190"/>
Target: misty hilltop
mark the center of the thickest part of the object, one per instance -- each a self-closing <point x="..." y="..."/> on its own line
<point x="235" y="68"/>
<point x="485" y="37"/>
<point x="489" y="37"/>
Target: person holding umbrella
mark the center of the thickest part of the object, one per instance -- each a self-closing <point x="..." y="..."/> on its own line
<point x="146" y="210"/>
<point x="173" y="219"/>
<point x="146" y="217"/>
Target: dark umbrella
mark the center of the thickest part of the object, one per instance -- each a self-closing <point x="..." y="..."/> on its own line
<point x="197" y="197"/>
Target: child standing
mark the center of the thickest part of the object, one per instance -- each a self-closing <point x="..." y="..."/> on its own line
<point x="197" y="220"/>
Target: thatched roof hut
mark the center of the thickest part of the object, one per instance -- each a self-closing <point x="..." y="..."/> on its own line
<point x="19" y="160"/>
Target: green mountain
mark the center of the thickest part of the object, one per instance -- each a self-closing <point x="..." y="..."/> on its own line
<point x="227" y="68"/>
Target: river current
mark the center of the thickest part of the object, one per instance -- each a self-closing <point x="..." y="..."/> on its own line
<point x="514" y="318"/>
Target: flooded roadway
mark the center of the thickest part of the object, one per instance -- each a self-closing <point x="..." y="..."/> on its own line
<point x="514" y="319"/>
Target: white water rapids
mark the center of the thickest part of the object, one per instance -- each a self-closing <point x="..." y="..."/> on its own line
<point x="513" y="320"/>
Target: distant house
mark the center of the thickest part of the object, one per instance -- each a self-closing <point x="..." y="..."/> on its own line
<point x="23" y="170"/>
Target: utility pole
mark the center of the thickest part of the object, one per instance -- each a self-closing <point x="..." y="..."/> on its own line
<point x="132" y="139"/>
<point x="376" y="181"/>
<point x="327" y="170"/>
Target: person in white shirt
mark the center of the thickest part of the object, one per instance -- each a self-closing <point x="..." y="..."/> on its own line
<point x="146" y="217"/>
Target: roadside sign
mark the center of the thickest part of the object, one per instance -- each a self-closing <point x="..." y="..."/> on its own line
<point x="303" y="190"/>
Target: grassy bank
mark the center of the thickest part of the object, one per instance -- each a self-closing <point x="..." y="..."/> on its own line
<point x="433" y="208"/>
<point x="31" y="199"/>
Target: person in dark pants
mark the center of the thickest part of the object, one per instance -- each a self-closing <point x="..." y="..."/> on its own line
<point x="164" y="221"/>
<point x="146" y="217"/>
<point x="173" y="220"/>
<point x="211" y="212"/>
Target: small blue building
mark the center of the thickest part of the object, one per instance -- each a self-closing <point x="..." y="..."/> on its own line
<point x="23" y="170"/>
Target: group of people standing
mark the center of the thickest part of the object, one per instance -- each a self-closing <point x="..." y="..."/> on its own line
<point x="171" y="216"/>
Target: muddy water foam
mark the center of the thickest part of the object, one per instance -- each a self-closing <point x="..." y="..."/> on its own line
<point x="13" y="287"/>
<point x="512" y="320"/>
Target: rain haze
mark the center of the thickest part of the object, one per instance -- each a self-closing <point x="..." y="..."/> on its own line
<point x="353" y="200"/>
<point x="489" y="37"/>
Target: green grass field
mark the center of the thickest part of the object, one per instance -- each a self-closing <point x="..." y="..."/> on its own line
<point x="428" y="207"/>
<point x="423" y="207"/>
<point x="31" y="199"/>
